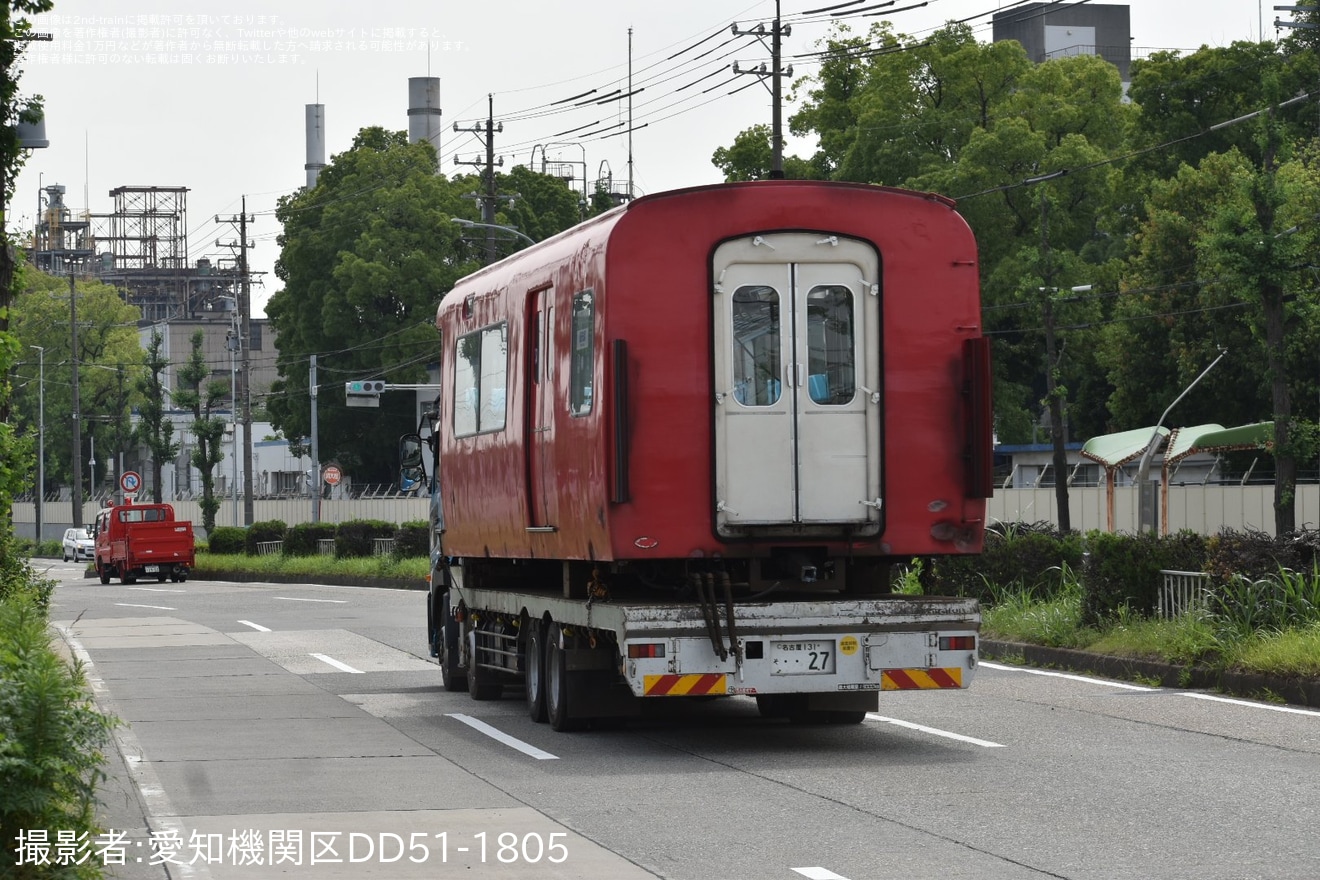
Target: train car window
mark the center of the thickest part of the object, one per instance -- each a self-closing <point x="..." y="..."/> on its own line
<point x="756" y="345"/>
<point x="582" y="366"/>
<point x="494" y="378"/>
<point x="831" y="345"/>
<point x="480" y="378"/>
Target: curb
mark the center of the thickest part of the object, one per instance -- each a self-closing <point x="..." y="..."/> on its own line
<point x="1295" y="691"/>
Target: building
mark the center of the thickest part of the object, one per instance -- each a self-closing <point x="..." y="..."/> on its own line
<point x="1056" y="30"/>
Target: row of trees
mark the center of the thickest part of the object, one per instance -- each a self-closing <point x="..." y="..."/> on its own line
<point x="1147" y="231"/>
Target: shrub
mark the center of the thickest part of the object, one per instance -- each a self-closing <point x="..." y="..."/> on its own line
<point x="412" y="539"/>
<point x="1124" y="570"/>
<point x="301" y="539"/>
<point x="1031" y="557"/>
<point x="1255" y="555"/>
<point x="51" y="737"/>
<point x="357" y="537"/>
<point x="262" y="532"/>
<point x="226" y="539"/>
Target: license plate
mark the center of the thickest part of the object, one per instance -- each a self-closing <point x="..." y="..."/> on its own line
<point x="802" y="658"/>
<point x="151" y="569"/>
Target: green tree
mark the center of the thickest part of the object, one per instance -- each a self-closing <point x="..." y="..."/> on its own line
<point x="751" y="156"/>
<point x="154" y="431"/>
<point x="198" y="394"/>
<point x="109" y="358"/>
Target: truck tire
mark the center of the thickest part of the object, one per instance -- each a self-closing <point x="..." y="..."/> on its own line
<point x="127" y="579"/>
<point x="451" y="676"/>
<point x="558" y="711"/>
<point x="103" y="572"/>
<point x="534" y="671"/>
<point x="483" y="684"/>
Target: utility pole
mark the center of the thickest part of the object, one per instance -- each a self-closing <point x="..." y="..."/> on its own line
<point x="244" y="349"/>
<point x="776" y="76"/>
<point x="1052" y="395"/>
<point x="41" y="443"/>
<point x="315" y="478"/>
<point x="77" y="497"/>
<point x="490" y="197"/>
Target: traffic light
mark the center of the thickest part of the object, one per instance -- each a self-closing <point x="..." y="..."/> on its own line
<point x="364" y="386"/>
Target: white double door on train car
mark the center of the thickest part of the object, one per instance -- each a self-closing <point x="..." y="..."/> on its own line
<point x="797" y="379"/>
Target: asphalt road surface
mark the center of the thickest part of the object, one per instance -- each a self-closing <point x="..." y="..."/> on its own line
<point x="301" y="731"/>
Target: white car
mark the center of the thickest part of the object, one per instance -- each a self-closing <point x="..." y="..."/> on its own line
<point x="78" y="544"/>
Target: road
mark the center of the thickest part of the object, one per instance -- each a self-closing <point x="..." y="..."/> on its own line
<point x="271" y="729"/>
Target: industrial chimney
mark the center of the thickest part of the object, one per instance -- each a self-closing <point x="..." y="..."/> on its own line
<point x="424" y="110"/>
<point x="315" y="142"/>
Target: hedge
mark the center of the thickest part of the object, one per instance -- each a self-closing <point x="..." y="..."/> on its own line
<point x="412" y="539"/>
<point x="357" y="537"/>
<point x="262" y="533"/>
<point x="301" y="540"/>
<point x="226" y="539"/>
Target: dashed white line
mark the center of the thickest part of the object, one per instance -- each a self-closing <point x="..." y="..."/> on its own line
<point x="157" y="607"/>
<point x="501" y="736"/>
<point x="258" y="627"/>
<point x="344" y="667"/>
<point x="1082" y="678"/>
<point x="294" y="599"/>
<point x="157" y="590"/>
<point x="819" y="874"/>
<point x="935" y="731"/>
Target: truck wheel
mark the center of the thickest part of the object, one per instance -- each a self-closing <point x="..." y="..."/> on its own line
<point x="160" y="578"/>
<point x="480" y="684"/>
<point x="451" y="676"/>
<point x="556" y="683"/>
<point x="534" y="671"/>
<point x="103" y="572"/>
<point x="128" y="579"/>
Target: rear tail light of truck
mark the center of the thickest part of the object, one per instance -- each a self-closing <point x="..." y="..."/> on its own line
<point x="646" y="650"/>
<point x="957" y="643"/>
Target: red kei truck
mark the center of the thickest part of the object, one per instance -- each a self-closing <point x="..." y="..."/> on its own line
<point x="143" y="540"/>
<point x="679" y="449"/>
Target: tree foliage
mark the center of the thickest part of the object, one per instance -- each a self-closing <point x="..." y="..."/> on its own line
<point x="199" y="393"/>
<point x="365" y="258"/>
<point x="154" y="431"/>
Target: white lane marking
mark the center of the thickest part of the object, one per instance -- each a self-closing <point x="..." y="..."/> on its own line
<point x="335" y="663"/>
<point x="985" y="743"/>
<point x="292" y="599"/>
<point x="258" y="627"/>
<point x="157" y="607"/>
<point x="1081" y="678"/>
<point x="501" y="736"/>
<point x="819" y="874"/>
<point x="1251" y="705"/>
<point x="157" y="590"/>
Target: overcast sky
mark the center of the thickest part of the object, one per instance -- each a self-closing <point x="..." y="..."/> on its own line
<point x="211" y="95"/>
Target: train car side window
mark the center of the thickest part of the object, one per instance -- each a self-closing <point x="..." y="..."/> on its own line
<point x="582" y="366"/>
<point x="756" y="345"/>
<point x="831" y="345"/>
<point x="480" y="379"/>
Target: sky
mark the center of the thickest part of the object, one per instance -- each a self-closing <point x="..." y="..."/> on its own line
<point x="211" y="94"/>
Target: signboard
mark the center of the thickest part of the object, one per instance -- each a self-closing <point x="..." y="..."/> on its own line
<point x="331" y="475"/>
<point x="130" y="482"/>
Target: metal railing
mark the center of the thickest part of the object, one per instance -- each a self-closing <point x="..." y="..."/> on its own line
<point x="270" y="548"/>
<point x="1182" y="592"/>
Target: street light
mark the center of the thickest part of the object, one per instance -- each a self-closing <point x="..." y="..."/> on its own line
<point x="1145" y="511"/>
<point x="41" y="442"/>
<point x="472" y="223"/>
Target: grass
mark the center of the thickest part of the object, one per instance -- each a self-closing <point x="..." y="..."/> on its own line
<point x="1017" y="615"/>
<point x="412" y="569"/>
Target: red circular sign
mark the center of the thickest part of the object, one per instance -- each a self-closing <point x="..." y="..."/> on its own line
<point x="130" y="482"/>
<point x="331" y="475"/>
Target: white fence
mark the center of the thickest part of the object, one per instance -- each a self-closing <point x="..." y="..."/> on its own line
<point x="291" y="511"/>
<point x="1202" y="509"/>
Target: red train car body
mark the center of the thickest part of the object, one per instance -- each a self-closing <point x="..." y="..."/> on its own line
<point x="718" y="371"/>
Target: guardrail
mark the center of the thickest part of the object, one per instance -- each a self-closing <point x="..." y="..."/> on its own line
<point x="382" y="546"/>
<point x="325" y="546"/>
<point x="270" y="548"/>
<point x="1182" y="592"/>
